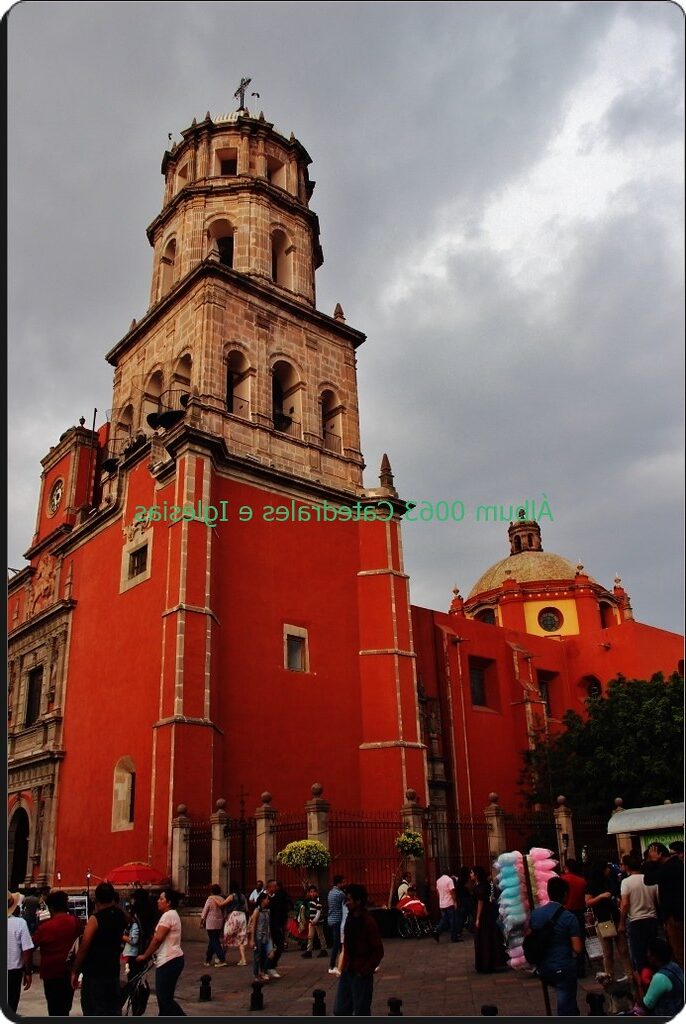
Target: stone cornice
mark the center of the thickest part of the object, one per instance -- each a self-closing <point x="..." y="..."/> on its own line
<point x="243" y="282"/>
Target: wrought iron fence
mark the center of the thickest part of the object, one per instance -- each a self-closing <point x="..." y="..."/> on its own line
<point x="455" y="842"/>
<point x="591" y="841"/>
<point x="199" y="860"/>
<point x="363" y="850"/>
<point x="240" y="835"/>
<point x="288" y="828"/>
<point x="535" y="828"/>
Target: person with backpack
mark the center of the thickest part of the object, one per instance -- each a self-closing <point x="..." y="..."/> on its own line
<point x="557" y="934"/>
<point x="665" y="995"/>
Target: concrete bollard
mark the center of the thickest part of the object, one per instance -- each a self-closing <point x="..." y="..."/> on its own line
<point x="488" y="1010"/>
<point x="256" y="997"/>
<point x="205" y="994"/>
<point x="596" y="1004"/>
<point x="394" y="1005"/>
<point x="319" y="1004"/>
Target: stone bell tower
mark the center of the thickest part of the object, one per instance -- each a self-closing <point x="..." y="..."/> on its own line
<point x="232" y="342"/>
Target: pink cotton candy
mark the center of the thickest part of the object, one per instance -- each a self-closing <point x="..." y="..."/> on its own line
<point x="539" y="853"/>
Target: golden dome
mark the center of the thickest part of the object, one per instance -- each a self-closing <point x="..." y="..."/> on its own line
<point x="525" y="567"/>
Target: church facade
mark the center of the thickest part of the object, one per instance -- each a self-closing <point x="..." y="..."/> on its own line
<point x="213" y="599"/>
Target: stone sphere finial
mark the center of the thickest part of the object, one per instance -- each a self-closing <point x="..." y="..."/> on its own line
<point x="619" y="803"/>
<point x="317" y="789"/>
<point x="561" y="801"/>
<point x="667" y="801"/>
<point x="411" y="796"/>
<point x="181" y="810"/>
<point x="221" y="804"/>
<point x="266" y="797"/>
<point x="493" y="798"/>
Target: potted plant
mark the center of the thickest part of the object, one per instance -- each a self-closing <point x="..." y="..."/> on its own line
<point x="307" y="856"/>
<point x="408" y="844"/>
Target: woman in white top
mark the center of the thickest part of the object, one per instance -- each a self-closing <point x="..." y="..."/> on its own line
<point x="166" y="947"/>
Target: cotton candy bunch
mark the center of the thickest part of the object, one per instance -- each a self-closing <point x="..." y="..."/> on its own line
<point x="513" y="903"/>
<point x="541" y="868"/>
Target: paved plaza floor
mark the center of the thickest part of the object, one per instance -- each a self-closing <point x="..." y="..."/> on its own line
<point x="433" y="980"/>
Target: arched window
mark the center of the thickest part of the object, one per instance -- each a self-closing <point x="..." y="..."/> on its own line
<point x="276" y="172"/>
<point x="286" y="399"/>
<point x="282" y="259"/>
<point x="486" y="615"/>
<point x="151" y="400"/>
<point x="123" y="794"/>
<point x="607" y="617"/>
<point x="181" y="382"/>
<point x="238" y="385"/>
<point x="332" y="422"/>
<point x="590" y="687"/>
<point x="222" y="232"/>
<point x="518" y="543"/>
<point x="168" y="263"/>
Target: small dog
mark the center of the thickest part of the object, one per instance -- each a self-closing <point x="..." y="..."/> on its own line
<point x="618" y="994"/>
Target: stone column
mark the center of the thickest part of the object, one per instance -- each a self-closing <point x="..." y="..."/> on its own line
<point x="180" y="834"/>
<point x="412" y="815"/>
<point x="624" y="845"/>
<point x="220" y="847"/>
<point x="317" y="811"/>
<point x="265" y="852"/>
<point x="495" y="819"/>
<point x="565" y="832"/>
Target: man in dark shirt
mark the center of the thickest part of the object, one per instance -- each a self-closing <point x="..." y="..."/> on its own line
<point x="279" y="905"/>
<point x="98" y="958"/>
<point x="576" y="904"/>
<point x="362" y="953"/>
<point x="666" y="870"/>
<point x="558" y="967"/>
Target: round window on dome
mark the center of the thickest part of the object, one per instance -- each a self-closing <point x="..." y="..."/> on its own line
<point x="550" y="619"/>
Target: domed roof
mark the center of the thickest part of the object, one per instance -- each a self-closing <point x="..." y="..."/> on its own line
<point x="525" y="567"/>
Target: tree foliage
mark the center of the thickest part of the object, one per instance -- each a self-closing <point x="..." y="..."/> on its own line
<point x="629" y="745"/>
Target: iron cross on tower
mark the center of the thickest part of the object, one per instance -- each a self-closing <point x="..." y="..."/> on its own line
<point x="240" y="92"/>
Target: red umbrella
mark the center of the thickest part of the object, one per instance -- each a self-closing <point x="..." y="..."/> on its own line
<point x="135" y="871"/>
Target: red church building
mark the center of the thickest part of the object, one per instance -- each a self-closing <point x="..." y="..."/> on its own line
<point x="213" y="598"/>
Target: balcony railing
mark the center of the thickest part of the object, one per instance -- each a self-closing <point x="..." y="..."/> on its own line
<point x="333" y="443"/>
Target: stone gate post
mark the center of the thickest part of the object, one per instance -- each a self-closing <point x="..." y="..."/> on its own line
<point x="180" y="835"/>
<point x="265" y="839"/>
<point x="565" y="831"/>
<point x="317" y="812"/>
<point x="623" y="838"/>
<point x="220" y="847"/>
<point x="412" y="815"/>
<point x="495" y="819"/>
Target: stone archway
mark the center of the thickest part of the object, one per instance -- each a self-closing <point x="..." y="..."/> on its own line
<point x="18" y="848"/>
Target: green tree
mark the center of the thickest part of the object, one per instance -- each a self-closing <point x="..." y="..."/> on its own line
<point x="629" y="745"/>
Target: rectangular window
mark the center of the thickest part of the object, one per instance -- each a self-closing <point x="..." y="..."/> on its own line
<point x="34" y="692"/>
<point x="295" y="651"/>
<point x="477" y="681"/>
<point x="228" y="167"/>
<point x="544" y="681"/>
<point x="483" y="682"/>
<point x="138" y="561"/>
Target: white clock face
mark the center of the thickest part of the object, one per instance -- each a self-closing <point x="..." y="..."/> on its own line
<point x="55" y="496"/>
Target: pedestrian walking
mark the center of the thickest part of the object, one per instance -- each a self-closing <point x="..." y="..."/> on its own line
<point x="445" y="887"/>
<point x="98" y="956"/>
<point x="334" y="905"/>
<point x="236" y="925"/>
<point x="19" y="952"/>
<point x="362" y="953"/>
<point x="165" y="947"/>
<point x="212" y="919"/>
<point x="260" y="937"/>
<point x="315" y="918"/>
<point x="56" y="938"/>
<point x="558" y="966"/>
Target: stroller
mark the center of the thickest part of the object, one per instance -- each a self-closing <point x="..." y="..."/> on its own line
<point x="135" y="994"/>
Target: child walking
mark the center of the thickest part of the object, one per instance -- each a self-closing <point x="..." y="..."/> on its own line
<point x="260" y="937"/>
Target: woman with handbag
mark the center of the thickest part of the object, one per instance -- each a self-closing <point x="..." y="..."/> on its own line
<point x="602" y="896"/>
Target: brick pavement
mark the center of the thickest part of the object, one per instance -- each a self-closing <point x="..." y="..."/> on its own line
<point x="432" y="980"/>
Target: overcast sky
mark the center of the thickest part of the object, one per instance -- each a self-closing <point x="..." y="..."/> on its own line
<point x="499" y="187"/>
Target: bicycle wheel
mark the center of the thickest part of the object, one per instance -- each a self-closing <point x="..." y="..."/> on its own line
<point x="405" y="929"/>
